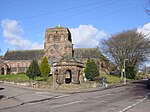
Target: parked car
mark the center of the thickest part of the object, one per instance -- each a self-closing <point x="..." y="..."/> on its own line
<point x="148" y="83"/>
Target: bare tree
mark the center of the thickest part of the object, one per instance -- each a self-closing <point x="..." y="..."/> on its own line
<point x="148" y="11"/>
<point x="126" y="45"/>
<point x="147" y="8"/>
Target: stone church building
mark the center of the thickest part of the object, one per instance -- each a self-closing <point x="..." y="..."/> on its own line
<point x="66" y="62"/>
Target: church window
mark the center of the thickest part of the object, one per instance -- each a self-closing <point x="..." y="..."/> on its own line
<point x="21" y="69"/>
<point x="56" y="46"/>
<point x="56" y="37"/>
<point x="13" y="69"/>
<point x="18" y="64"/>
<point x="49" y="38"/>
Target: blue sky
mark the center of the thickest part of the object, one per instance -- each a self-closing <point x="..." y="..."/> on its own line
<point x="23" y="22"/>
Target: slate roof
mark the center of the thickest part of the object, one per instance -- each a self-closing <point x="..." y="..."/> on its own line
<point x="32" y="54"/>
<point x="68" y="58"/>
<point x="23" y="54"/>
<point x="87" y="53"/>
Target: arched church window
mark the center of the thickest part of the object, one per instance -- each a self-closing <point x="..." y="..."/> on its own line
<point x="49" y="38"/>
<point x="56" y="46"/>
<point x="56" y="37"/>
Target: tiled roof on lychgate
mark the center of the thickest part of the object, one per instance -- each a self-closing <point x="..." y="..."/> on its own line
<point x="23" y="54"/>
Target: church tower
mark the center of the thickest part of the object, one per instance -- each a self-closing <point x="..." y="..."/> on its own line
<point x="58" y="43"/>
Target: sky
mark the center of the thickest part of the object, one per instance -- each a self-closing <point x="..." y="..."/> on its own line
<point x="23" y="22"/>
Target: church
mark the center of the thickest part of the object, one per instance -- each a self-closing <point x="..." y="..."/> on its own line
<point x="67" y="62"/>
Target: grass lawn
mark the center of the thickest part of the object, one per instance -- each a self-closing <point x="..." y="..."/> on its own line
<point x="17" y="78"/>
<point x="23" y="78"/>
<point x="111" y="78"/>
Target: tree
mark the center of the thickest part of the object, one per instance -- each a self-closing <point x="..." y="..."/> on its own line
<point x="45" y="68"/>
<point x="33" y="70"/>
<point x="147" y="8"/>
<point x="129" y="45"/>
<point x="91" y="70"/>
<point x="130" y="72"/>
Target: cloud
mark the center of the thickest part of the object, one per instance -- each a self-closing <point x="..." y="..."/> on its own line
<point x="83" y="36"/>
<point x="13" y="34"/>
<point x="87" y="36"/>
<point x="145" y="30"/>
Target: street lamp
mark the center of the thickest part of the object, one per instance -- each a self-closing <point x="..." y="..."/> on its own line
<point x="124" y="70"/>
<point x="53" y="74"/>
<point x="52" y="63"/>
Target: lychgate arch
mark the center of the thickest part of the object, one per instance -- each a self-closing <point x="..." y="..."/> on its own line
<point x="2" y="71"/>
<point x="68" y="76"/>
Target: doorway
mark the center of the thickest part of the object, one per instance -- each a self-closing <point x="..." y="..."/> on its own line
<point x="68" y="76"/>
<point x="2" y="71"/>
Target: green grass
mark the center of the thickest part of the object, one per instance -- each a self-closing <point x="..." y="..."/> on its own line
<point x="112" y="79"/>
<point x="18" y="78"/>
<point x="23" y="78"/>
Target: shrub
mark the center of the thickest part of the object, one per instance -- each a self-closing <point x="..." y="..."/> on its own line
<point x="33" y="70"/>
<point x="130" y="72"/>
<point x="91" y="70"/>
<point x="45" y="68"/>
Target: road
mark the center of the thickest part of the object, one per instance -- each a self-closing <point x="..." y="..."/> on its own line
<point x="130" y="98"/>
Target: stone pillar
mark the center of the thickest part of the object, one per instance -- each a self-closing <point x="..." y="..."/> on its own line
<point x="5" y="71"/>
<point x="61" y="77"/>
<point x="25" y="69"/>
<point x="0" y="70"/>
<point x="75" y="77"/>
<point x="17" y="69"/>
<point x="81" y="78"/>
